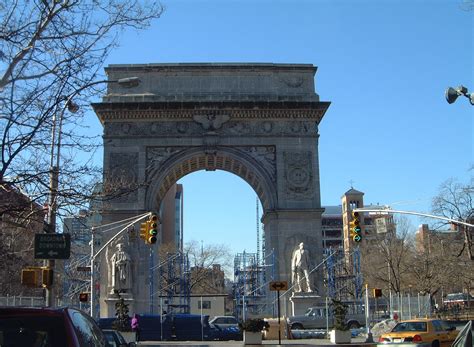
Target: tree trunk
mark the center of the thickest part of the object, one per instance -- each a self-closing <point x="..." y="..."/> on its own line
<point x="468" y="242"/>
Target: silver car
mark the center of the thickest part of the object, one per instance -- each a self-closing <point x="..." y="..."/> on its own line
<point x="224" y="321"/>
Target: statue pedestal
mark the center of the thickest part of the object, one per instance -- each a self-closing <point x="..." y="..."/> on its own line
<point x="302" y="300"/>
<point x="112" y="299"/>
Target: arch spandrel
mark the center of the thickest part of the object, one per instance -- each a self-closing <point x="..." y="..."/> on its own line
<point x="254" y="164"/>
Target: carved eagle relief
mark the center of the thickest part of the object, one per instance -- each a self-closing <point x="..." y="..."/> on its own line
<point x="211" y="122"/>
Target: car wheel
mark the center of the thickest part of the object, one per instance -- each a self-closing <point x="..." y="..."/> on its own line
<point x="353" y="325"/>
<point x="297" y="326"/>
<point x="435" y="343"/>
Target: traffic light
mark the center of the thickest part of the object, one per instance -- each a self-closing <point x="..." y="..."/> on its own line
<point x="377" y="292"/>
<point x="37" y="276"/>
<point x="29" y="277"/>
<point x="144" y="231"/>
<point x="47" y="276"/>
<point x="355" y="228"/>
<point x="152" y="229"/>
<point x="149" y="230"/>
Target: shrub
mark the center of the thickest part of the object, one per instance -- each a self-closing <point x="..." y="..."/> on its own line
<point x="340" y="310"/>
<point x="254" y="325"/>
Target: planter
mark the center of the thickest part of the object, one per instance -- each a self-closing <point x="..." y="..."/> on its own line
<point x="252" y="338"/>
<point x="339" y="336"/>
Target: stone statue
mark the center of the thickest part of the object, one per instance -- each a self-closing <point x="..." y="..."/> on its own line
<point x="300" y="266"/>
<point x="120" y="269"/>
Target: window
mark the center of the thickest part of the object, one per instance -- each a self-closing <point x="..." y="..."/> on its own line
<point x="206" y="304"/>
<point x="34" y="330"/>
<point x="88" y="332"/>
<point x="437" y="325"/>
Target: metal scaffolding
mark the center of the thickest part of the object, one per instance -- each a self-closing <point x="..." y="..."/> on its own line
<point x="175" y="282"/>
<point x="343" y="281"/>
<point x="250" y="287"/>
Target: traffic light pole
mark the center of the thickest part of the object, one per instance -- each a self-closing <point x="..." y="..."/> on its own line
<point x="94" y="255"/>
<point x="387" y="210"/>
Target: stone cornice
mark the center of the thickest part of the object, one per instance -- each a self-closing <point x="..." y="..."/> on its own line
<point x="110" y="112"/>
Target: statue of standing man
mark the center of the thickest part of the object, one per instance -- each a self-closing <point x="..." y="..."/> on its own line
<point x="300" y="264"/>
<point x="120" y="267"/>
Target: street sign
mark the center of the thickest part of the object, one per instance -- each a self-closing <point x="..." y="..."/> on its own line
<point x="279" y="285"/>
<point x="52" y="246"/>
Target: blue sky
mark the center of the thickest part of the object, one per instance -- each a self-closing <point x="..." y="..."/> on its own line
<point x="384" y="66"/>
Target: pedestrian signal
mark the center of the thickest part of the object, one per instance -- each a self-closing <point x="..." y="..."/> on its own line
<point x="83" y="297"/>
<point x="377" y="292"/>
<point x="355" y="228"/>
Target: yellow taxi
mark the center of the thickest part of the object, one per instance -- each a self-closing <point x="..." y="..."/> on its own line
<point x="422" y="331"/>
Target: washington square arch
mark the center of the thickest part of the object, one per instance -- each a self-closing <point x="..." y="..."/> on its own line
<point x="257" y="121"/>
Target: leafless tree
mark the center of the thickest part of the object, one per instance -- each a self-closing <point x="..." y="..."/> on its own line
<point x="435" y="266"/>
<point x="208" y="263"/>
<point x="386" y="260"/>
<point x="51" y="58"/>
<point x="455" y="200"/>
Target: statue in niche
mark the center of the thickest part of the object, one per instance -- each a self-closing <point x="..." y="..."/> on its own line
<point x="119" y="270"/>
<point x="300" y="267"/>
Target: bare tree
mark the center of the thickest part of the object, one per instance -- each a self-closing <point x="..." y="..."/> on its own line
<point x="207" y="266"/>
<point x="51" y="58"/>
<point x="386" y="260"/>
<point x="455" y="200"/>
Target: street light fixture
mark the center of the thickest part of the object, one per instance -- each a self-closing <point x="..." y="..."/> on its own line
<point x="453" y="93"/>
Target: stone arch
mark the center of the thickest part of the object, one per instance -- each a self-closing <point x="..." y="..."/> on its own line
<point x="258" y="121"/>
<point x="195" y="159"/>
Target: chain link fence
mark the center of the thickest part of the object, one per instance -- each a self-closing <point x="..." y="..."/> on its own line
<point x="29" y="301"/>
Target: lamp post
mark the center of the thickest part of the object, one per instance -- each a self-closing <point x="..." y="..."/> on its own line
<point x="54" y="183"/>
<point x="452" y="94"/>
<point x="57" y="121"/>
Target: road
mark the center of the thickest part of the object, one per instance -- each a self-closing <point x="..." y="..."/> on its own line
<point x="357" y="341"/>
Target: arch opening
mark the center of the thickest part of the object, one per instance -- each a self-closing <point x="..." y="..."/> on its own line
<point x="188" y="161"/>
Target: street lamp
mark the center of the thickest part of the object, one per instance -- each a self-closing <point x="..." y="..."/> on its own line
<point x="71" y="106"/>
<point x="453" y="93"/>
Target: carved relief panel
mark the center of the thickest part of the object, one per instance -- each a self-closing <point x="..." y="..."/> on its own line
<point x="298" y="175"/>
<point x="121" y="180"/>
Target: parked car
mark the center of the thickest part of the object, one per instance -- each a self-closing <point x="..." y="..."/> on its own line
<point x="422" y="331"/>
<point x="115" y="339"/>
<point x="52" y="327"/>
<point x="224" y="321"/>
<point x="225" y="328"/>
<point x="315" y="318"/>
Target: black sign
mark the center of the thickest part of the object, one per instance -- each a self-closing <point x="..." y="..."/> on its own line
<point x="278" y="285"/>
<point x="52" y="246"/>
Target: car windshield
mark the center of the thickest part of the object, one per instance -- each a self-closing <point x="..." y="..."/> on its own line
<point x="409" y="326"/>
<point x="32" y="331"/>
